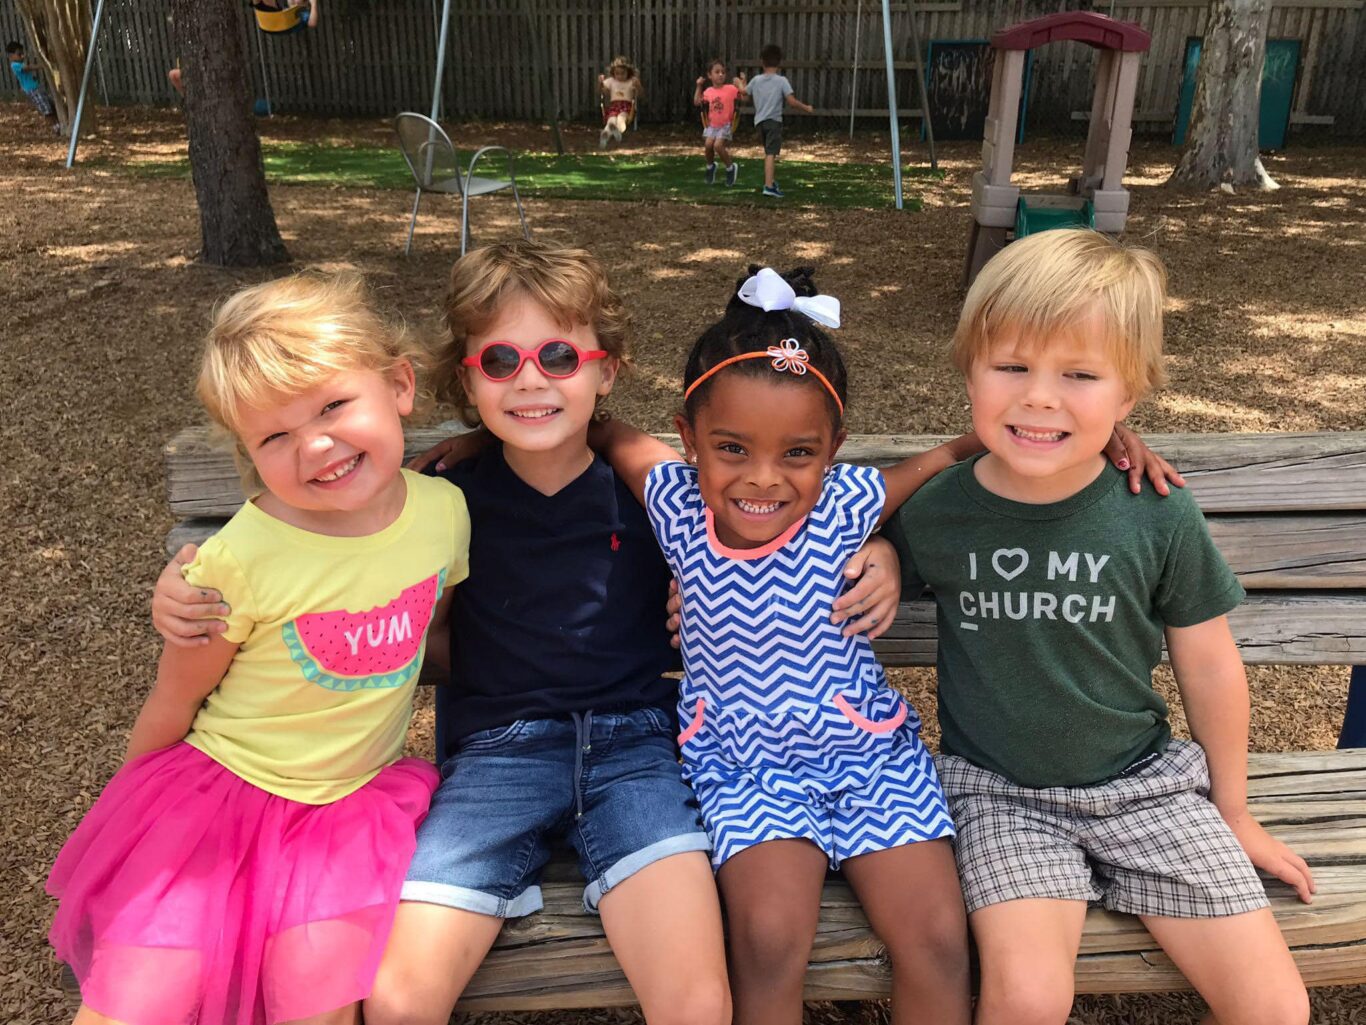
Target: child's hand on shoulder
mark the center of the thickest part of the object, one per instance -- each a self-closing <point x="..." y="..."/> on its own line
<point x="185" y="615"/>
<point x="869" y="606"/>
<point x="1128" y="452"/>
<point x="1271" y="855"/>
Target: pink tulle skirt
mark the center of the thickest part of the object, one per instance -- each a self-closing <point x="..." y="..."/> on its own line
<point x="189" y="895"/>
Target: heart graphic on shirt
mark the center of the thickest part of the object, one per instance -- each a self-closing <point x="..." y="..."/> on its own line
<point x="1002" y="554"/>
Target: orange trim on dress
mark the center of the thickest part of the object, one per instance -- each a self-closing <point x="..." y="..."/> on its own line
<point x="864" y="723"/>
<point x="696" y="723"/>
<point x="747" y="554"/>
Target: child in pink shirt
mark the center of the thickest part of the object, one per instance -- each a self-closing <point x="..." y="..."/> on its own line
<point x="719" y="99"/>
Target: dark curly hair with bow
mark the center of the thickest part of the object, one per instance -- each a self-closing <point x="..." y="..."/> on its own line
<point x="744" y="328"/>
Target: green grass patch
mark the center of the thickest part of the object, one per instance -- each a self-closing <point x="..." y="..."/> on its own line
<point x="591" y="176"/>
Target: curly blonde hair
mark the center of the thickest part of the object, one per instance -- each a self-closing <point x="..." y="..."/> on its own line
<point x="569" y="284"/>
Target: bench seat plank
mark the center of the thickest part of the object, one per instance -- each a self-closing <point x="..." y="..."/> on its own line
<point x="558" y="958"/>
<point x="1228" y="473"/>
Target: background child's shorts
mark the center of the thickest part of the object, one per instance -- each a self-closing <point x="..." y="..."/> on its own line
<point x="615" y="108"/>
<point x="1148" y="842"/>
<point x="771" y="135"/>
<point x="722" y="133"/>
<point x="609" y="783"/>
<point x="40" y="99"/>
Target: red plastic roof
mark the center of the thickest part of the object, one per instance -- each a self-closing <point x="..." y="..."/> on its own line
<point x="1083" y="26"/>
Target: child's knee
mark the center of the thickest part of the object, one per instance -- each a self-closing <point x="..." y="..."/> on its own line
<point x="1288" y="1006"/>
<point x="1022" y="998"/>
<point x="936" y="942"/>
<point x="768" y="942"/>
<point x="398" y="1001"/>
<point x="704" y="1001"/>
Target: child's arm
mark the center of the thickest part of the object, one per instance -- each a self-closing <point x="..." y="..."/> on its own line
<point x="1213" y="684"/>
<point x="905" y="478"/>
<point x="453" y="450"/>
<point x="639" y="91"/>
<point x="439" y="633"/>
<point x="792" y="101"/>
<point x="741" y="84"/>
<point x="605" y="89"/>
<point x="697" y="92"/>
<point x="185" y="676"/>
<point x="632" y="452"/>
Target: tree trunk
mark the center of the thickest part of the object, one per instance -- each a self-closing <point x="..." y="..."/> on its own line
<point x="1221" y="143"/>
<point x="58" y="35"/>
<point x="236" y="221"/>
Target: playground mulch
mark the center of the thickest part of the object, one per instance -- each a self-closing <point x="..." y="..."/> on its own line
<point x="104" y="303"/>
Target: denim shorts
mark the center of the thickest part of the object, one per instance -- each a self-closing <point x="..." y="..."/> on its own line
<point x="608" y="783"/>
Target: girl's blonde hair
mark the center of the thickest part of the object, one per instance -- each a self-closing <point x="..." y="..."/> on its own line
<point x="1045" y="285"/>
<point x="278" y="339"/>
<point x="569" y="284"/>
<point x="622" y="62"/>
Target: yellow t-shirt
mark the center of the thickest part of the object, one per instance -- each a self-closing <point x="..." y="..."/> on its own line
<point x="318" y="697"/>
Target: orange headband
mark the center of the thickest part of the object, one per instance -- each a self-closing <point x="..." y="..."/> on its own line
<point x="787" y="356"/>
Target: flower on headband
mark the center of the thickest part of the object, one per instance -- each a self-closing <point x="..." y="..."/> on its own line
<point x="789" y="357"/>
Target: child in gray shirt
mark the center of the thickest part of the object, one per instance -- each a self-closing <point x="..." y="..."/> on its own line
<point x="770" y="91"/>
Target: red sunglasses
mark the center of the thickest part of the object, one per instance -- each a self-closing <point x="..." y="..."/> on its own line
<point x="555" y="357"/>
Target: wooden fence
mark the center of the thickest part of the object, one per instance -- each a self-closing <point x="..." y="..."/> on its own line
<point x="378" y="58"/>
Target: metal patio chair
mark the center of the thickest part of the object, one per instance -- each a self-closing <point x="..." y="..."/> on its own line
<point x="436" y="168"/>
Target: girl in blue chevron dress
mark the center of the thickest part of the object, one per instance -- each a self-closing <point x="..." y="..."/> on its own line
<point x="803" y="759"/>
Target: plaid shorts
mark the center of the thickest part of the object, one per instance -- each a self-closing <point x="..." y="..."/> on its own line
<point x="40" y="99"/>
<point x="1148" y="842"/>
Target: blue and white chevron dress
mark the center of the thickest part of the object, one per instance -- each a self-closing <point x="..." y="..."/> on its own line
<point x="789" y="728"/>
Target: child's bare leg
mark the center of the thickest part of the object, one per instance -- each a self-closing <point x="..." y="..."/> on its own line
<point x="769" y="163"/>
<point x="85" y="1016"/>
<point x="772" y="893"/>
<point x="911" y="897"/>
<point x="664" y="925"/>
<point x="709" y="147"/>
<point x="432" y="953"/>
<point x="1239" y="964"/>
<point x="723" y="152"/>
<point x="1028" y="952"/>
<point x="348" y="1015"/>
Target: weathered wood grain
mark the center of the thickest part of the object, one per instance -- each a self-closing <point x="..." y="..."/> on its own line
<point x="558" y="958"/>
<point x="1228" y="473"/>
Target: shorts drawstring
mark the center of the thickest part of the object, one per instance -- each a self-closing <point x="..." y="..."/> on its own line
<point x="583" y="726"/>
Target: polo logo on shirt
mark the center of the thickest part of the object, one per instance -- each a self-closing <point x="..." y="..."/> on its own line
<point x="616" y="543"/>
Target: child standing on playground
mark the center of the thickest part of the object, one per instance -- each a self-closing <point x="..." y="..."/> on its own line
<point x="32" y="85"/>
<point x="801" y="756"/>
<point x="771" y="92"/>
<point x="559" y="719"/>
<point x="718" y="101"/>
<point x="621" y="91"/>
<point x="244" y="864"/>
<point x="1055" y="591"/>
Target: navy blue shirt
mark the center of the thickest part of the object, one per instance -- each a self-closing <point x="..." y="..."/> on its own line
<point x="563" y="610"/>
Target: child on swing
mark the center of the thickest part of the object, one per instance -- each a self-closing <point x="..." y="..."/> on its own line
<point x="621" y="91"/>
<point x="718" y="102"/>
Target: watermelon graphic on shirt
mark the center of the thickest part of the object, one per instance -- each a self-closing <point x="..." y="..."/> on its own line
<point x="358" y="650"/>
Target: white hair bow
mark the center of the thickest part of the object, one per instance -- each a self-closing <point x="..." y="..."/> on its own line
<point x="769" y="291"/>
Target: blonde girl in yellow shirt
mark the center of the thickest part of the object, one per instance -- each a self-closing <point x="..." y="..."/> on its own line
<point x="244" y="864"/>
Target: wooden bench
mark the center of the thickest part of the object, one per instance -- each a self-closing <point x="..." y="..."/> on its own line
<point x="1289" y="513"/>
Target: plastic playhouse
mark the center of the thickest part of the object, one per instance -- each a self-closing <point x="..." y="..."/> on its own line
<point x="1096" y="198"/>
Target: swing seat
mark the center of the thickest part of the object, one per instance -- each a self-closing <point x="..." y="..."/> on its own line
<point x="278" y="22"/>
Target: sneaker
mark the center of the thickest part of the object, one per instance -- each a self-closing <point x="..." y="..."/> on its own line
<point x="772" y="190"/>
<point x="616" y="133"/>
<point x="732" y="172"/>
<point x="711" y="174"/>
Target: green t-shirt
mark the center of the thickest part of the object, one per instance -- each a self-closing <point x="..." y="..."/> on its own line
<point x="1051" y="618"/>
